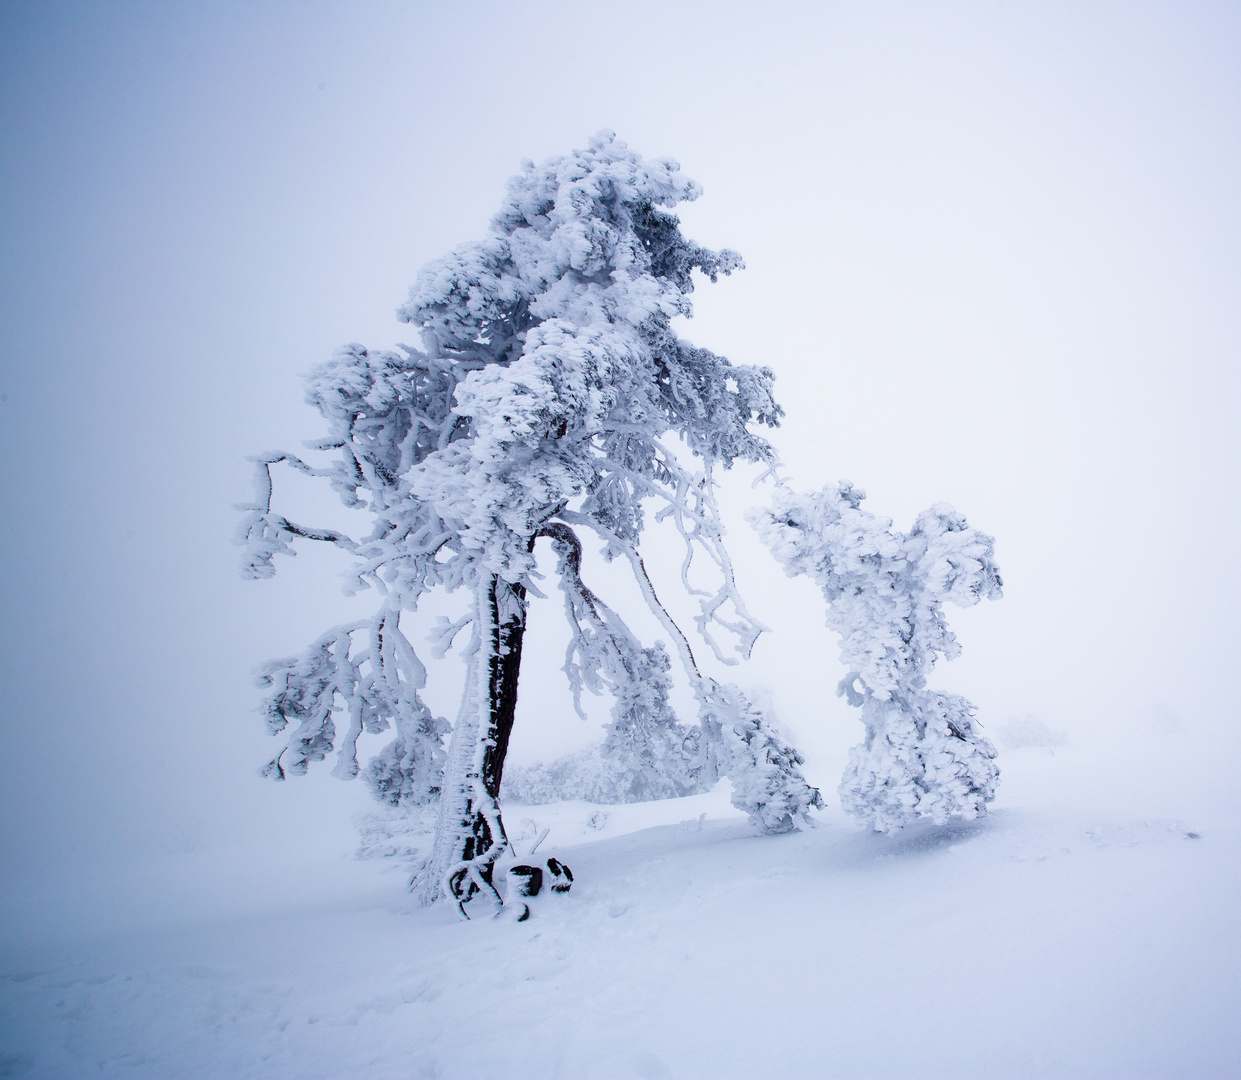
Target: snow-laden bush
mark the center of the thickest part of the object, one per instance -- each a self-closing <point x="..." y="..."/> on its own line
<point x="885" y="590"/>
<point x="584" y="774"/>
<point x="1030" y="731"/>
<point x="670" y="760"/>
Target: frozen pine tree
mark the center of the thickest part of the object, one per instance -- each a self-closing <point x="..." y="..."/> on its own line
<point x="922" y="755"/>
<point x="547" y="398"/>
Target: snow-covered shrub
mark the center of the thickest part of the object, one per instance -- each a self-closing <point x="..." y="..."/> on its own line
<point x="399" y="832"/>
<point x="735" y="739"/>
<point x="1030" y="731"/>
<point x="583" y="774"/>
<point x="885" y="590"/>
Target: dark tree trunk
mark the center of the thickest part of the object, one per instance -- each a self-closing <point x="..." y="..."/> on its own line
<point x="470" y="837"/>
<point x="503" y="657"/>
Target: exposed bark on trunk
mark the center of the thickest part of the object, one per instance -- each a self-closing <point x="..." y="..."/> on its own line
<point x="470" y="835"/>
<point x="505" y="628"/>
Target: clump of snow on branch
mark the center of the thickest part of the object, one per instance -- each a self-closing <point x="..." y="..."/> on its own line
<point x="544" y="395"/>
<point x="885" y="590"/>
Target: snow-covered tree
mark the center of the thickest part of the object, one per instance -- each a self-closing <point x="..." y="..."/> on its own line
<point x="548" y="395"/>
<point x="885" y="591"/>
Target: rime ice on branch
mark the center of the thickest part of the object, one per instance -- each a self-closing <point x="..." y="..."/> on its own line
<point x="536" y="404"/>
<point x="885" y="592"/>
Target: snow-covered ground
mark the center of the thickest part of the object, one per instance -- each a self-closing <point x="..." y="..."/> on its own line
<point x="1089" y="927"/>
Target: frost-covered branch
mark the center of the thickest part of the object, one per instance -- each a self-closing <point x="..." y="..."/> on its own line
<point x="735" y="738"/>
<point x="376" y="687"/>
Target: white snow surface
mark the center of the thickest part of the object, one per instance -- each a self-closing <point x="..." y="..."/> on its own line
<point x="1087" y="927"/>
